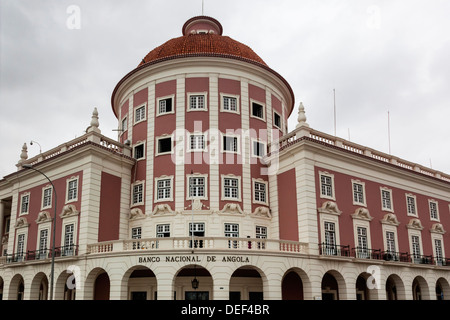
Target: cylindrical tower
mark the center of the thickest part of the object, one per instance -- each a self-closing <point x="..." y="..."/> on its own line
<point x="199" y="112"/>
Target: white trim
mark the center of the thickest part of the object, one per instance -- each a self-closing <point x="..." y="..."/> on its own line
<point x="266" y="191"/>
<point x="164" y="136"/>
<point x="73" y="178"/>
<point x="164" y="177"/>
<point x="391" y="200"/>
<point x="205" y="101"/>
<point x="144" y="118"/>
<point x="140" y="203"/>
<point x="408" y="213"/>
<point x="158" y="113"/>
<point x="197" y="175"/>
<point x="390" y="228"/>
<point x="25" y="194"/>
<point x="222" y="102"/>
<point x="48" y="186"/>
<point x="436" y="236"/>
<point x="253" y="148"/>
<point x="417" y="233"/>
<point x="230" y="135"/>
<point x="363" y="185"/>
<point x="252" y="101"/>
<point x="144" y="153"/>
<point x="239" y="187"/>
<point x="205" y="140"/>
<point x="333" y="193"/>
<point x="281" y="120"/>
<point x="430" y="201"/>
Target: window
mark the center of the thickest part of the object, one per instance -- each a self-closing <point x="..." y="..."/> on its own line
<point x="358" y="193"/>
<point x="259" y="192"/>
<point x="362" y="243"/>
<point x="68" y="240"/>
<point x="197" y="142"/>
<point x="196" y="229"/>
<point x="139" y="114"/>
<point x="411" y="205"/>
<point x="197" y="187"/>
<point x="46" y="197"/>
<point x="164" y="189"/>
<point x="386" y="199"/>
<point x="434" y="215"/>
<point x="390" y="241"/>
<point x="197" y="102"/>
<point x="20" y="246"/>
<point x="136" y="233"/>
<point x="124" y="126"/>
<point x="43" y="241"/>
<point x="164" y="145"/>
<point x="25" y="203"/>
<point x="259" y="149"/>
<point x="231" y="188"/>
<point x="257" y="110"/>
<point x="261" y="233"/>
<point x="277" y="120"/>
<point x="139" y="151"/>
<point x="230" y="104"/>
<point x="232" y="231"/>
<point x="165" y="105"/>
<point x="230" y="144"/>
<point x="438" y="251"/>
<point x="72" y="189"/>
<point x="162" y="230"/>
<point x="415" y="242"/>
<point x="326" y="185"/>
<point x="138" y="191"/>
<point x="330" y="238"/>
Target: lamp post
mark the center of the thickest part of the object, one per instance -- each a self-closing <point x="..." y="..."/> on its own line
<point x="52" y="272"/>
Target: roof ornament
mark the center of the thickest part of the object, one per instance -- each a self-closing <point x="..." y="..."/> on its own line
<point x="24" y="153"/>
<point x="94" y="122"/>
<point x="301" y="119"/>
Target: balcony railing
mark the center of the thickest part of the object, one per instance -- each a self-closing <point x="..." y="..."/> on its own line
<point x="334" y="250"/>
<point x="65" y="251"/>
<point x="200" y="243"/>
<point x="377" y="254"/>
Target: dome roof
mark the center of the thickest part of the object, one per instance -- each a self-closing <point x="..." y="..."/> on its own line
<point x="202" y="36"/>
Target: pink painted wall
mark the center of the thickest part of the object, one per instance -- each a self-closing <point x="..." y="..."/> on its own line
<point x="344" y="200"/>
<point x="287" y="205"/>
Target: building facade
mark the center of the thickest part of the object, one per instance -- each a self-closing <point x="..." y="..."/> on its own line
<point x="206" y="195"/>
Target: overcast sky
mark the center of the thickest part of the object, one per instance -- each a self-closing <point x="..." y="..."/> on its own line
<point x="61" y="58"/>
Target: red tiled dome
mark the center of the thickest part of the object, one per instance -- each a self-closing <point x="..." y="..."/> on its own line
<point x="202" y="36"/>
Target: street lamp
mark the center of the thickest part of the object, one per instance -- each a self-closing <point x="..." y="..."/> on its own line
<point x="52" y="272"/>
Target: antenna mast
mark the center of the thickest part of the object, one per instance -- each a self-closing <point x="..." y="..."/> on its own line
<point x="334" y="99"/>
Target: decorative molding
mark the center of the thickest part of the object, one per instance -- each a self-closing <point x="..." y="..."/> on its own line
<point x="21" y="223"/>
<point x="390" y="219"/>
<point x="362" y="214"/>
<point x="232" y="208"/>
<point x="69" y="211"/>
<point x="161" y="209"/>
<point x="262" y="212"/>
<point x="136" y="213"/>
<point x="43" y="216"/>
<point x="414" y="224"/>
<point x="437" y="228"/>
<point x="330" y="207"/>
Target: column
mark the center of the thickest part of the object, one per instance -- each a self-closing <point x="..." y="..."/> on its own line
<point x="306" y="203"/>
<point x="214" y="138"/>
<point x="180" y="176"/>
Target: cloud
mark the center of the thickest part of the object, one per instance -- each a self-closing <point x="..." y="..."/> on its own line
<point x="376" y="54"/>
